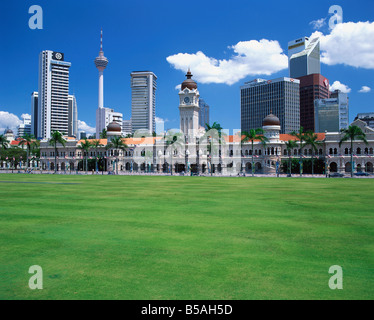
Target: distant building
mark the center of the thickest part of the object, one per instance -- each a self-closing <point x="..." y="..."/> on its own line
<point x="34" y="114"/>
<point x="312" y="87"/>
<point x="280" y="97"/>
<point x="203" y="113"/>
<point x="25" y="127"/>
<point x="367" y="117"/>
<point x="82" y="135"/>
<point x="304" y="57"/>
<point x="143" y="100"/>
<point x="126" y="127"/>
<point x="332" y="115"/>
<point x="73" y="116"/>
<point x="53" y="94"/>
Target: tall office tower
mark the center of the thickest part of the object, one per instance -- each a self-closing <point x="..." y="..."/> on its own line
<point x="304" y="57"/>
<point x="25" y="127"/>
<point x="101" y="63"/>
<point x="53" y="94"/>
<point x="280" y="97"/>
<point x="143" y="100"/>
<point x="73" y="116"/>
<point x="203" y="113"/>
<point x="332" y="115"/>
<point x="34" y="114"/>
<point x="312" y="87"/>
<point x="367" y="117"/>
<point x="126" y="127"/>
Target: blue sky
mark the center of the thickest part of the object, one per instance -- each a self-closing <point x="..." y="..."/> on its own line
<point x="141" y="35"/>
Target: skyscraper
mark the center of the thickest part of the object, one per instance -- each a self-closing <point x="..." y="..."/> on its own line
<point x="203" y="113"/>
<point x="312" y="87"/>
<point x="34" y="114"/>
<point x="332" y="115"/>
<point x="73" y="116"/>
<point x="101" y="63"/>
<point x="304" y="57"/>
<point x="280" y="97"/>
<point x="53" y="94"/>
<point x="367" y="117"/>
<point x="143" y="100"/>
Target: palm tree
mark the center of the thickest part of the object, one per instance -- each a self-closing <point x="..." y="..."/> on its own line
<point x="352" y="133"/>
<point x="215" y="126"/>
<point x="103" y="134"/>
<point x="117" y="144"/>
<point x="290" y="145"/>
<point x="300" y="136"/>
<point x="95" y="144"/>
<point x="28" y="141"/>
<point x="56" y="138"/>
<point x="252" y="135"/>
<point x="311" y="139"/>
<point x="85" y="146"/>
<point x="173" y="140"/>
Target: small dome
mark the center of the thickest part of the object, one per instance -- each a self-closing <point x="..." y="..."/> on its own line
<point x="114" y="127"/>
<point x="189" y="83"/>
<point x="271" y="120"/>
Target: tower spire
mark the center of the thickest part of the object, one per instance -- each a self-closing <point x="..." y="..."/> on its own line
<point x="101" y="40"/>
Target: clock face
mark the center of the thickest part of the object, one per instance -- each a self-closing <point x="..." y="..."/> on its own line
<point x="186" y="100"/>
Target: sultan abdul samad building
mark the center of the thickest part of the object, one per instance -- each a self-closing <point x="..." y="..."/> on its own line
<point x="195" y="151"/>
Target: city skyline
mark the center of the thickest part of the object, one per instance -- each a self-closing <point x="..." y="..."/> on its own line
<point x="132" y="49"/>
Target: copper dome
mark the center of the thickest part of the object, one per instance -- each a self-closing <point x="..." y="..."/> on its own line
<point x="271" y="120"/>
<point x="189" y="83"/>
<point x="114" y="127"/>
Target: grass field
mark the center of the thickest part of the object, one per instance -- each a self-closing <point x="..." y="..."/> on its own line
<point x="134" y="237"/>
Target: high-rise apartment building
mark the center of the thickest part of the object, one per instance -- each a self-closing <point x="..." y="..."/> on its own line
<point x="126" y="127"/>
<point x="332" y="115"/>
<point x="280" y="97"/>
<point x="53" y="93"/>
<point x="304" y="57"/>
<point x="73" y="116"/>
<point x="34" y="114"/>
<point x="203" y="113"/>
<point x="143" y="100"/>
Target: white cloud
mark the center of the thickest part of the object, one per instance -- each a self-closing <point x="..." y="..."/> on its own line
<point x="337" y="85"/>
<point x="251" y="58"/>
<point x="348" y="43"/>
<point x="8" y="120"/>
<point x="318" y="24"/>
<point x="83" y="126"/>
<point x="365" y="89"/>
<point x="25" y="116"/>
<point x="178" y="87"/>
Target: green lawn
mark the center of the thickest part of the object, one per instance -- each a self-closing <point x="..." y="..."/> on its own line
<point x="134" y="237"/>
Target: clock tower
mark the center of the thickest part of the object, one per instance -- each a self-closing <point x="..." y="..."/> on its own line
<point x="189" y="106"/>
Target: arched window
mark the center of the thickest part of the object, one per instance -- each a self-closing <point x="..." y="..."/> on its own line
<point x="295" y="152"/>
<point x="366" y="150"/>
<point x="346" y="151"/>
<point x="250" y="152"/>
<point x="259" y="152"/>
<point x="285" y="152"/>
<point x="320" y="152"/>
<point x="305" y="152"/>
<point x="358" y="150"/>
<point x="246" y="152"/>
<point x="371" y="150"/>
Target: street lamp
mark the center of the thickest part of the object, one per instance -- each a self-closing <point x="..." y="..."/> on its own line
<point x="187" y="164"/>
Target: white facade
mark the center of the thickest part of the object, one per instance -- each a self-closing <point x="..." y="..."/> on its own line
<point x="126" y="127"/>
<point x="189" y="111"/>
<point x="104" y="116"/>
<point x="143" y="100"/>
<point x="25" y="127"/>
<point x="73" y="116"/>
<point x="53" y="94"/>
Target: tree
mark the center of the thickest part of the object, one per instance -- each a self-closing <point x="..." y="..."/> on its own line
<point x="117" y="144"/>
<point x="311" y="139"/>
<point x="85" y="146"/>
<point x="103" y="134"/>
<point x="300" y="136"/>
<point x="173" y="141"/>
<point x="3" y="142"/>
<point x="252" y="135"/>
<point x="56" y="138"/>
<point x="208" y="128"/>
<point x="28" y="141"/>
<point x="96" y="144"/>
<point x="351" y="134"/>
<point x="290" y="145"/>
